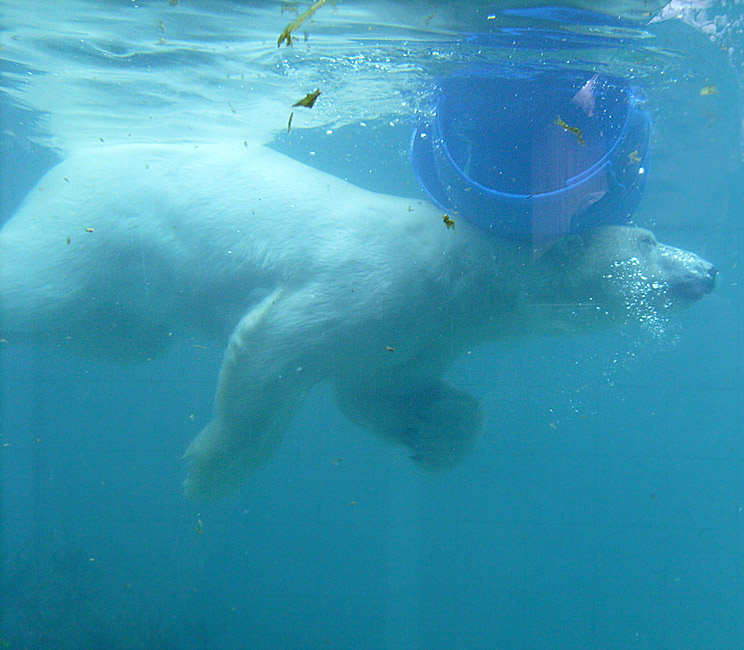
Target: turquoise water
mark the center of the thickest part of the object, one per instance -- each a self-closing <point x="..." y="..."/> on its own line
<point x="603" y="505"/>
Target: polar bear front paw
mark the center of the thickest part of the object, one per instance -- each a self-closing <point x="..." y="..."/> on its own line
<point x="218" y="462"/>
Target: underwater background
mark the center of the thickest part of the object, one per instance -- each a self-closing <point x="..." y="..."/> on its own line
<point x="603" y="505"/>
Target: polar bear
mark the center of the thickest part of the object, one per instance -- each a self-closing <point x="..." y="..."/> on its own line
<point x="308" y="278"/>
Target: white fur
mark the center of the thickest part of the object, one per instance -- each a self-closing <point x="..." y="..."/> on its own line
<point x="308" y="278"/>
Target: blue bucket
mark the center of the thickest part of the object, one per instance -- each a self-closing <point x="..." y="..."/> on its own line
<point x="534" y="155"/>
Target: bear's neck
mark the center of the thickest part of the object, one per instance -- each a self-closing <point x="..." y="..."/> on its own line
<point x="482" y="280"/>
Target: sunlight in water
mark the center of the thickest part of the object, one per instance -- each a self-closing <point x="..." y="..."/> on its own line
<point x="197" y="72"/>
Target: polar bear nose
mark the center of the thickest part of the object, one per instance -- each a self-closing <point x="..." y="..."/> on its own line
<point x="703" y="280"/>
<point x="709" y="281"/>
<point x="696" y="281"/>
<point x="688" y="276"/>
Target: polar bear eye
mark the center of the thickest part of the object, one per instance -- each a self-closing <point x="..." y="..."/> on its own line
<point x="646" y="242"/>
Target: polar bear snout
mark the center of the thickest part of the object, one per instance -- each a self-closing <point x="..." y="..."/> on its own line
<point x="689" y="276"/>
<point x="699" y="284"/>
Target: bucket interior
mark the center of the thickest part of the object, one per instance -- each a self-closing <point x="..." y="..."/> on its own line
<point x="529" y="136"/>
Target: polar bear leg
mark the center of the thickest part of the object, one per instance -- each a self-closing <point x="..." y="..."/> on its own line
<point x="263" y="379"/>
<point x="436" y="421"/>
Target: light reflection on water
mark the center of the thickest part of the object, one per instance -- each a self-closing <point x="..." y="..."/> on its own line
<point x="151" y="71"/>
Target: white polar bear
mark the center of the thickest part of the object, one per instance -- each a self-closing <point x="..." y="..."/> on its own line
<point x="309" y="278"/>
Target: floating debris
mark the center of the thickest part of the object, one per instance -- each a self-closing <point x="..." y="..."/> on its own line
<point x="634" y="157"/>
<point x="286" y="34"/>
<point x="449" y="222"/>
<point x="308" y="101"/>
<point x="574" y="129"/>
<point x="709" y="90"/>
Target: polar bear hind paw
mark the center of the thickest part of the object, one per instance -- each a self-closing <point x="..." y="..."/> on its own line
<point x="442" y="431"/>
<point x="438" y="423"/>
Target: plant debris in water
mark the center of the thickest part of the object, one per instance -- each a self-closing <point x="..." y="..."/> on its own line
<point x="308" y="101"/>
<point x="286" y="34"/>
<point x="574" y="129"/>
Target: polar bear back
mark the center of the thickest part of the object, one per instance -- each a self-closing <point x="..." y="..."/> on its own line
<point x="196" y="235"/>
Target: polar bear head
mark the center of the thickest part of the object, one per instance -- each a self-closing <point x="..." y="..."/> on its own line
<point x="620" y="274"/>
